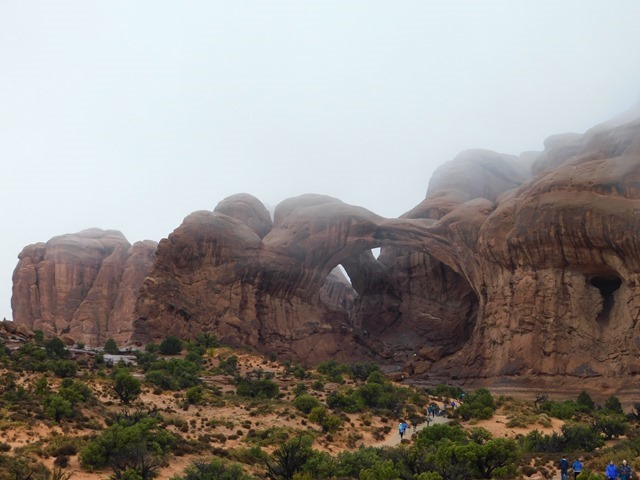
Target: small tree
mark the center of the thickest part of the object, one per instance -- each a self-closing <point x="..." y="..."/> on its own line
<point x="171" y="346"/>
<point x="56" y="407"/>
<point x="289" y="458"/>
<point x="585" y="400"/>
<point x="111" y="347"/>
<point x="126" y="386"/>
<point x="56" y="348"/>
<point x="613" y="405"/>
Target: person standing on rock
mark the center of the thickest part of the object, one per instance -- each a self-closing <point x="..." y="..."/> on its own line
<point x="611" y="471"/>
<point x="564" y="468"/>
<point x="625" y="471"/>
<point x="577" y="468"/>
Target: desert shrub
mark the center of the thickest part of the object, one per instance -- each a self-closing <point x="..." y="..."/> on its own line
<point x="174" y="374"/>
<point x="12" y="468"/>
<point x="170" y="346"/>
<point x="329" y="423"/>
<point x="289" y="458"/>
<point x="137" y="446"/>
<point x="586" y="402"/>
<point x="111" y="347"/>
<point x="612" y="404"/>
<point x="610" y="424"/>
<point x="248" y="456"/>
<point x="56" y="349"/>
<point x="56" y="407"/>
<point x="194" y="395"/>
<point x="256" y="388"/>
<point x="298" y="371"/>
<point x="62" y="445"/>
<point x="305" y="403"/>
<point x="345" y="401"/>
<point x="445" y="391"/>
<point x="63" y="368"/>
<point x="333" y="370"/>
<point x="564" y="410"/>
<point x="268" y="436"/>
<point x="575" y="437"/>
<point x="32" y="358"/>
<point x="215" y="470"/>
<point x="229" y="365"/>
<point x="74" y="391"/>
<point x="361" y="371"/>
<point x="478" y="404"/>
<point x="127" y="387"/>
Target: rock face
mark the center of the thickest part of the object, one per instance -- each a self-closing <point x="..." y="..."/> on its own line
<point x="81" y="286"/>
<point x="511" y="268"/>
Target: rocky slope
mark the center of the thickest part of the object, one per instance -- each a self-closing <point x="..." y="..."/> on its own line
<point x="511" y="268"/>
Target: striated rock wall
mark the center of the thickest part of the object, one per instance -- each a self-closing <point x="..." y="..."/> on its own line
<point x="511" y="268"/>
<point x="82" y="286"/>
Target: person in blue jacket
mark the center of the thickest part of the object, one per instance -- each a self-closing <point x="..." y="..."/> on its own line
<point x="611" y="471"/>
<point x="577" y="468"/>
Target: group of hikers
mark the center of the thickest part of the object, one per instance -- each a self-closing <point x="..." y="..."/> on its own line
<point x="434" y="410"/>
<point x="612" y="472"/>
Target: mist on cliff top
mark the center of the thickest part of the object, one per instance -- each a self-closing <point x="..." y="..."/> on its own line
<point x="130" y="115"/>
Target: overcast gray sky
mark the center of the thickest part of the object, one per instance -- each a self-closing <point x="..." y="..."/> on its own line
<point x="129" y="115"/>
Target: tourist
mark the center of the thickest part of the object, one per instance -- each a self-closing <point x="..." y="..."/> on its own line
<point x="625" y="471"/>
<point x="577" y="468"/>
<point x="564" y="468"/>
<point x="402" y="428"/>
<point x="612" y="471"/>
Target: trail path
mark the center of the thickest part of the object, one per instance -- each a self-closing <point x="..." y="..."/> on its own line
<point x="393" y="438"/>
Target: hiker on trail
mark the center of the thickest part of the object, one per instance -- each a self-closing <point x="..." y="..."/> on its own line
<point x="611" y="471"/>
<point x="564" y="468"/>
<point x="402" y="428"/>
<point x="625" y="471"/>
<point x="577" y="468"/>
<point x="453" y="404"/>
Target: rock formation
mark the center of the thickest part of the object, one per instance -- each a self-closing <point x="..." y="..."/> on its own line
<point x="81" y="286"/>
<point x="511" y="268"/>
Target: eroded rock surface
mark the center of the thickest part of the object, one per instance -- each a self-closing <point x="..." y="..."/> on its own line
<point x="511" y="268"/>
<point x="82" y="286"/>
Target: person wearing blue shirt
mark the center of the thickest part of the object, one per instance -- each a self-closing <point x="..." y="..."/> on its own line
<point x="577" y="468"/>
<point x="612" y="471"/>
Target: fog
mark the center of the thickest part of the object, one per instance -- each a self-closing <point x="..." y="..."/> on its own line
<point x="130" y="115"/>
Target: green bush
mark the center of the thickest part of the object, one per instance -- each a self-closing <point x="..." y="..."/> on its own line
<point x="56" y="407"/>
<point x="611" y="425"/>
<point x="132" y="444"/>
<point x="127" y="387"/>
<point x="612" y="404"/>
<point x="229" y="365"/>
<point x="170" y="346"/>
<point x="564" y="410"/>
<point x="63" y="368"/>
<point x="305" y="403"/>
<point x="194" y="395"/>
<point x="215" y="470"/>
<point x="259" y="388"/>
<point x="478" y="404"/>
<point x="173" y="374"/>
<point x="111" y="347"/>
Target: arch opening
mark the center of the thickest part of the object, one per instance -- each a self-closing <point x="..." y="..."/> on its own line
<point x="607" y="286"/>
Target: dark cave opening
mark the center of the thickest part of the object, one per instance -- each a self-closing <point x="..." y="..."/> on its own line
<point x="607" y="285"/>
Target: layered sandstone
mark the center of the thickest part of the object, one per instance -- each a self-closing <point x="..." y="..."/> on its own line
<point x="82" y="286"/>
<point x="511" y="268"/>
